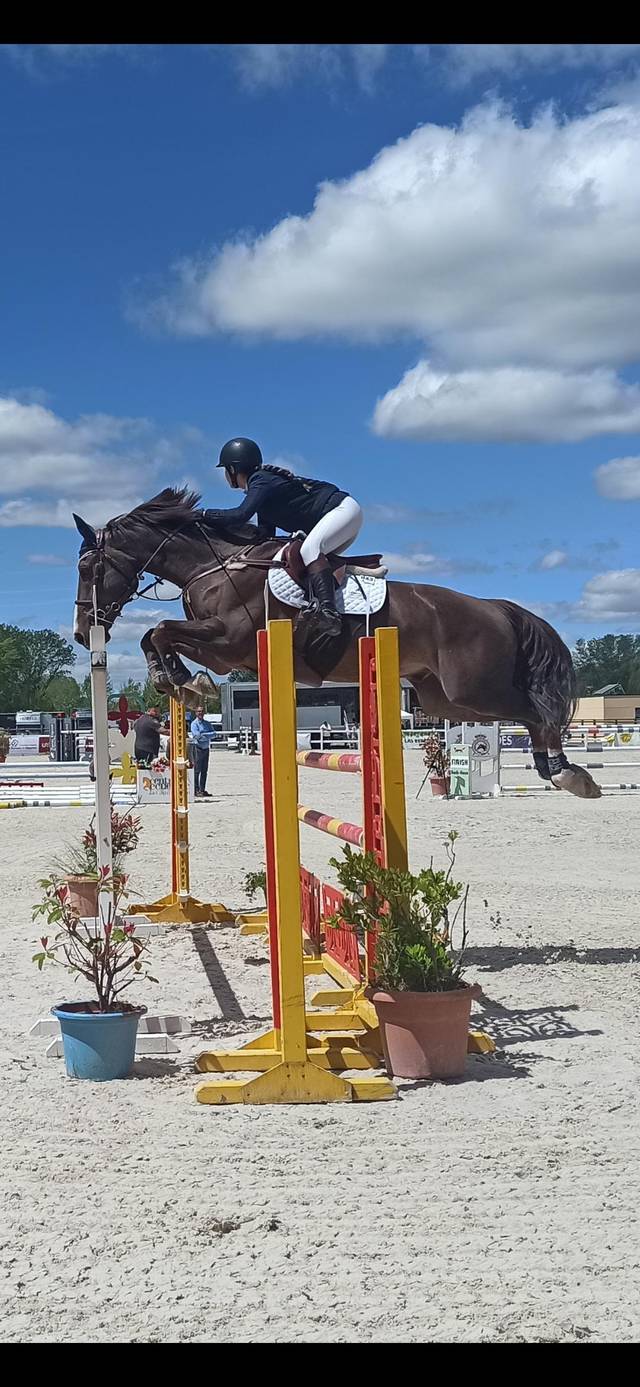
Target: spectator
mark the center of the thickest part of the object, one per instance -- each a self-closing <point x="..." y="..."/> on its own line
<point x="200" y="736"/>
<point x="147" y="737"/>
<point x="191" y="751"/>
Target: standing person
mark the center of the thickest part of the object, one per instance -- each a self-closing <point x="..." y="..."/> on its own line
<point x="191" y="751"/>
<point x="328" y="517"/>
<point x="147" y="737"/>
<point x="200" y="737"/>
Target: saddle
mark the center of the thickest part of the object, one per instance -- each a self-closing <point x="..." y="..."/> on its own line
<point x="340" y="565"/>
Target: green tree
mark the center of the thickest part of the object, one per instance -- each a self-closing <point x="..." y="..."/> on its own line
<point x="607" y="660"/>
<point x="132" y="691"/>
<point x="9" y="668"/>
<point x="242" y="676"/>
<point x="31" y="660"/>
<point x="211" y="702"/>
<point x="85" y="692"/>
<point x="152" y="698"/>
<point x="64" y="694"/>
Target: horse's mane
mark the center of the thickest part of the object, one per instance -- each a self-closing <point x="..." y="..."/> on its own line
<point x="175" y="508"/>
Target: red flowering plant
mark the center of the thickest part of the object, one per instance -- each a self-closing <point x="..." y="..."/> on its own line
<point x="107" y="953"/>
<point x="435" y="757"/>
<point x="125" y="833"/>
<point x="83" y="861"/>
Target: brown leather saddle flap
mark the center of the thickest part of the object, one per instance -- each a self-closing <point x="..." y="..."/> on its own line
<point x="339" y="562"/>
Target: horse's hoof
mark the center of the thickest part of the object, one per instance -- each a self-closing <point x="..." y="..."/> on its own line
<point x="578" y="782"/>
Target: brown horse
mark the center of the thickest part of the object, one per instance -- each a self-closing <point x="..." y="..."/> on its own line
<point x="468" y="658"/>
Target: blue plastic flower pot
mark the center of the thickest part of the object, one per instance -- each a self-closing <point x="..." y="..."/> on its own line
<point x="97" y="1045"/>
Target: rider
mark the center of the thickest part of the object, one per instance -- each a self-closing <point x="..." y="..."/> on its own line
<point x="329" y="517"/>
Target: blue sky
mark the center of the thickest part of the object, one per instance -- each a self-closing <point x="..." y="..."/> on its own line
<point x="414" y="271"/>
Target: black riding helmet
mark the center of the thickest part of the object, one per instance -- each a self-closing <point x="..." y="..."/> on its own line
<point x="241" y="455"/>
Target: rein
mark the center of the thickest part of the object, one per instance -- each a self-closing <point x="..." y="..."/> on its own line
<point x="109" y="613"/>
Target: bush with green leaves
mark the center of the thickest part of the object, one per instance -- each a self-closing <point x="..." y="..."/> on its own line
<point x="254" y="882"/>
<point x="414" y="917"/>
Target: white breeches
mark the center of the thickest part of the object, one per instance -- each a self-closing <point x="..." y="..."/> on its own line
<point x="334" y="533"/>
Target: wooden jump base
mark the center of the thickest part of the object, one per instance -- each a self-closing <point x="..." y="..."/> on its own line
<point x="299" y="1055"/>
<point x="296" y="1059"/>
<point x="383" y="832"/>
<point x="179" y="907"/>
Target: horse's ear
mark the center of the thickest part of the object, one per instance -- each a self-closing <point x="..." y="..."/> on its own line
<point x="88" y="533"/>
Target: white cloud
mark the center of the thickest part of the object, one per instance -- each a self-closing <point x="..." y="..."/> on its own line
<point x="495" y="242"/>
<point x="48" y="560"/>
<point x="612" y="596"/>
<point x="271" y="65"/>
<point x="39" y="59"/>
<point x="556" y="558"/>
<point x="412" y="563"/>
<point x="508" y="404"/>
<point x="466" y="61"/>
<point x="98" y="465"/>
<point x="135" y="620"/>
<point x="274" y="65"/>
<point x="123" y="666"/>
<point x="619" y="480"/>
<point x="400" y="564"/>
<point x="368" y="59"/>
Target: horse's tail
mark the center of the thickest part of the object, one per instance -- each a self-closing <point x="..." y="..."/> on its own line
<point x="544" y="669"/>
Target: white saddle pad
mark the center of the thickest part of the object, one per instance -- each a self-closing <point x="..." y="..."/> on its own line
<point x="359" y="593"/>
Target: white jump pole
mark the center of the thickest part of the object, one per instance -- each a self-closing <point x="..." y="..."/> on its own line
<point x="97" y="646"/>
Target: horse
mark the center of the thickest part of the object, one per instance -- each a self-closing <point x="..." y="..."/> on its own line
<point x="468" y="658"/>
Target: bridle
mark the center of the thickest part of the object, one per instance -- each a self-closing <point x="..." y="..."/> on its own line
<point x="106" y="615"/>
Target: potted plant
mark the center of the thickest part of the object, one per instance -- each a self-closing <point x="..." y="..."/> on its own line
<point x="98" y="1035"/>
<point x="436" y="760"/>
<point x="79" y="866"/>
<point x="421" y="1000"/>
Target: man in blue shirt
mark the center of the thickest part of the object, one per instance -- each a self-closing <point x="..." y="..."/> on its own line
<point x="200" y="737"/>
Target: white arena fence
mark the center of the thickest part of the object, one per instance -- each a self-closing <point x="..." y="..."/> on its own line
<point x="501" y="753"/>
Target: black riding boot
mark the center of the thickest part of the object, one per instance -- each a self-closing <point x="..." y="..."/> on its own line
<point x="322" y="588"/>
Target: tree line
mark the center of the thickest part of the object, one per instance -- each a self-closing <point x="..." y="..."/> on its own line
<point x="36" y="672"/>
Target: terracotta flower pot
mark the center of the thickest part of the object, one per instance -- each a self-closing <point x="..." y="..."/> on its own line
<point x="440" y="785"/>
<point x="83" y="895"/>
<point x="424" y="1034"/>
